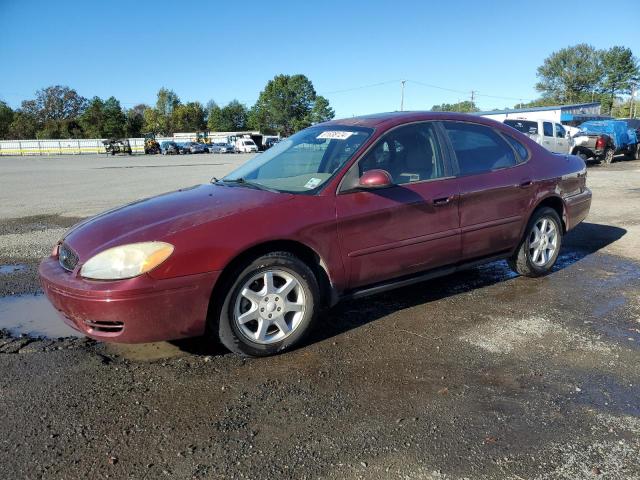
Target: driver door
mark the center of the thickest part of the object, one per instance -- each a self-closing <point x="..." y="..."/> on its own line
<point x="406" y="228"/>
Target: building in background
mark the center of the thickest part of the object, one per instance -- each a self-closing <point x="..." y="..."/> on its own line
<point x="565" y="114"/>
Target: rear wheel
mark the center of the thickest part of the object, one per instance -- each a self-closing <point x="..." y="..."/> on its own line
<point x="539" y="249"/>
<point x="608" y="156"/>
<point x="269" y="306"/>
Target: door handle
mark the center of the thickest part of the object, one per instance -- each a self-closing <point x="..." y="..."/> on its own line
<point x="438" y="202"/>
<point x="526" y="184"/>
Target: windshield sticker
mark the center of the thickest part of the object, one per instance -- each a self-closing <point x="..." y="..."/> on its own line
<point x="335" y="134"/>
<point x="312" y="183"/>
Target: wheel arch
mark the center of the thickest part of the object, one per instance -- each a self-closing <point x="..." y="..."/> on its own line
<point x="555" y="202"/>
<point x="305" y="253"/>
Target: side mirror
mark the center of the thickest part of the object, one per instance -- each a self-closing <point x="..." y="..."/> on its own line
<point x="376" y="178"/>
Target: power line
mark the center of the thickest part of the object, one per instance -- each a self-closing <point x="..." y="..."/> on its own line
<point x="475" y="93"/>
<point x="361" y="87"/>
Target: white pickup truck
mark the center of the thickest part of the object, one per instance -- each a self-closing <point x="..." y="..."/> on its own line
<point x="550" y="135"/>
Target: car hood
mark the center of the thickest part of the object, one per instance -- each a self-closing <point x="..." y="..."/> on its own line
<point x="158" y="217"/>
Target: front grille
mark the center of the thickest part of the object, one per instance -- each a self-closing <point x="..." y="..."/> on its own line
<point x="68" y="258"/>
<point x="104" y="327"/>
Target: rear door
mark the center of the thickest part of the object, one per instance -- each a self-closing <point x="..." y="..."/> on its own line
<point x="548" y="137"/>
<point x="409" y="227"/>
<point x="495" y="188"/>
<point x="562" y="142"/>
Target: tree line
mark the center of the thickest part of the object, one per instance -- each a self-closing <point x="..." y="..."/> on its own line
<point x="287" y="104"/>
<point x="579" y="74"/>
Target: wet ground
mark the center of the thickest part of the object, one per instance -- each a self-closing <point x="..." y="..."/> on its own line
<point x="480" y="375"/>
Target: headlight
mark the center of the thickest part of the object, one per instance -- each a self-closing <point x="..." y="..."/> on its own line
<point x="126" y="261"/>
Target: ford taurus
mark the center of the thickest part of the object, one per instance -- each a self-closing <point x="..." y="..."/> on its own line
<point x="339" y="210"/>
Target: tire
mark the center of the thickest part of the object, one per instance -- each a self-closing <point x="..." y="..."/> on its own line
<point x="261" y="334"/>
<point x="526" y="261"/>
<point x="607" y="158"/>
<point x="583" y="156"/>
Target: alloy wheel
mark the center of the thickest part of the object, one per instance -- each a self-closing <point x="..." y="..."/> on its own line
<point x="269" y="306"/>
<point x="543" y="241"/>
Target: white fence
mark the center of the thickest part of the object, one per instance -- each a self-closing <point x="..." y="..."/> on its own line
<point x="61" y="147"/>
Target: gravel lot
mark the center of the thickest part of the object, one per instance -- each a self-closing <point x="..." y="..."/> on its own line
<point x="480" y="375"/>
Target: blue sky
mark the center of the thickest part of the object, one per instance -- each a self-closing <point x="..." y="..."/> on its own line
<point x="226" y="50"/>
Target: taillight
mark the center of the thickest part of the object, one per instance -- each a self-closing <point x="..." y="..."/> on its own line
<point x="600" y="143"/>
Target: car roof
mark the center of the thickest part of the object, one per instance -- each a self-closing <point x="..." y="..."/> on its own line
<point x="391" y="119"/>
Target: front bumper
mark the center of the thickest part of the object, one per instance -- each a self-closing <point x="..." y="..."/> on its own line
<point x="135" y="310"/>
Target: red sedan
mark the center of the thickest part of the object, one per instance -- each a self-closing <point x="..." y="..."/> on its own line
<point x="342" y="209"/>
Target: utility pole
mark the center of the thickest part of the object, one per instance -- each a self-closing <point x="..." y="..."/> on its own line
<point x="402" y="82"/>
<point x="473" y="96"/>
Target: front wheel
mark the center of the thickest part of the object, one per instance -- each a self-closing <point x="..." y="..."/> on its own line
<point x="269" y="306"/>
<point x="539" y="249"/>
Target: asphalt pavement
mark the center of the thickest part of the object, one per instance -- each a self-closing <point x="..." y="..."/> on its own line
<point x="479" y="375"/>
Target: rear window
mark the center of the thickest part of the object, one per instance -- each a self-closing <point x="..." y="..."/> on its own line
<point x="523" y="153"/>
<point x="524" y="126"/>
<point x="478" y="148"/>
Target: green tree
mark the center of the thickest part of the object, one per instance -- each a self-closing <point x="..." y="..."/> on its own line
<point x="189" y="117"/>
<point x="321" y="111"/>
<point x="620" y="69"/>
<point x="465" y="107"/>
<point x="57" y="129"/>
<point x="284" y="105"/>
<point x="571" y="74"/>
<point x="232" y="117"/>
<point x="56" y="110"/>
<point x="152" y="121"/>
<point x="114" y="119"/>
<point x="56" y="103"/>
<point x="23" y="126"/>
<point x="165" y="104"/>
<point x="92" y="118"/>
<point x="6" y="117"/>
<point x="214" y="117"/>
<point x="135" y="121"/>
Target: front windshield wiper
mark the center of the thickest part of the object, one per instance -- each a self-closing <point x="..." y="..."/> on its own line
<point x="242" y="181"/>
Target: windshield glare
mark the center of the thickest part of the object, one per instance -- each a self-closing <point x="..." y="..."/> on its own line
<point x="305" y="161"/>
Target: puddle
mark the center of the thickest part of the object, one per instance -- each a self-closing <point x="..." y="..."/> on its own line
<point x="9" y="269"/>
<point x="608" y="394"/>
<point x="144" y="352"/>
<point x="32" y="315"/>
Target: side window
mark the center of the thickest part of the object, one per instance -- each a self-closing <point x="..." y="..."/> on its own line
<point x="520" y="149"/>
<point x="560" y="131"/>
<point x="410" y="154"/>
<point x="478" y="148"/>
<point x="548" y="129"/>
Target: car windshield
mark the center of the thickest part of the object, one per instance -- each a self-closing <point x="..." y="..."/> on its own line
<point x="305" y="161"/>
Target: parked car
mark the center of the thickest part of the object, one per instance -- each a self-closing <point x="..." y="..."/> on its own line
<point x="222" y="148"/>
<point x="551" y="135"/>
<point x="193" y="147"/>
<point x="251" y="259"/>
<point x="270" y="142"/>
<point x="169" y="148"/>
<point x="608" y="137"/>
<point x="246" y="145"/>
<point x="593" y="146"/>
<point x="634" y="124"/>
